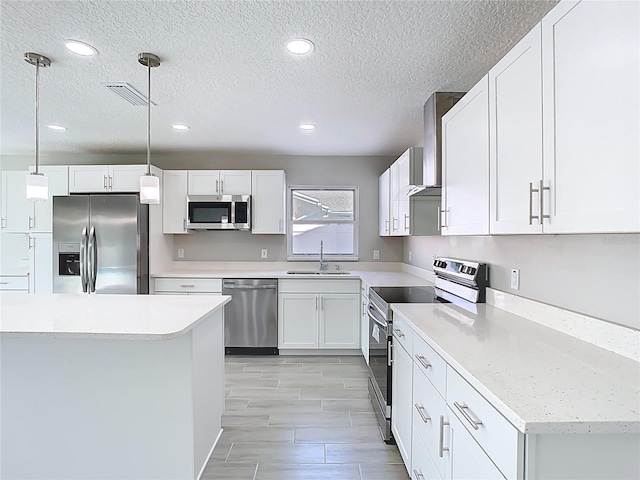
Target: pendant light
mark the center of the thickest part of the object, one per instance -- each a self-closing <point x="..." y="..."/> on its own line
<point x="37" y="185"/>
<point x="149" y="183"/>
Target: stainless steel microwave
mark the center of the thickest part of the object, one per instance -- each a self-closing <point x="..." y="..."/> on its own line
<point x="219" y="212"/>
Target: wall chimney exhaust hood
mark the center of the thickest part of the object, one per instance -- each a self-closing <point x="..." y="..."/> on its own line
<point x="438" y="104"/>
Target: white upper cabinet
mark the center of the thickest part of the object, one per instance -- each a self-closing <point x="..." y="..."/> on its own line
<point x="20" y="215"/>
<point x="384" y="208"/>
<point x="465" y="164"/>
<point x="235" y="182"/>
<point x="219" y="182"/>
<point x="515" y="112"/>
<point x="591" y="106"/>
<point x="174" y="201"/>
<point x="402" y="181"/>
<point x="105" y="178"/>
<point x="17" y="211"/>
<point x="204" y="182"/>
<point x="268" y="201"/>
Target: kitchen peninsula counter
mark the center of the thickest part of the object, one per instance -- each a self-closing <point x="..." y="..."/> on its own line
<point x="110" y="386"/>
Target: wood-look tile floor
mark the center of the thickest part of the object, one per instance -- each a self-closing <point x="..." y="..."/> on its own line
<point x="300" y="418"/>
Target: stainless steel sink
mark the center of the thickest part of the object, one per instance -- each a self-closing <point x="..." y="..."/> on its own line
<point x="318" y="272"/>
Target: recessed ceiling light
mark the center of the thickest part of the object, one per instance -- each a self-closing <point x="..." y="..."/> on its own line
<point x="80" y="48"/>
<point x="300" y="46"/>
<point x="181" y="127"/>
<point x="57" y="128"/>
<point x="307" y="127"/>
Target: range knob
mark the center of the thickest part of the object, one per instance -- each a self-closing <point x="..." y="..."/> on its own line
<point x="440" y="264"/>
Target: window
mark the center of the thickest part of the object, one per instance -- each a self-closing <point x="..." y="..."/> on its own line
<point x="322" y="214"/>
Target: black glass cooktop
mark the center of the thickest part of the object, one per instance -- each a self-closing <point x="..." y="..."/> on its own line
<point x="422" y="294"/>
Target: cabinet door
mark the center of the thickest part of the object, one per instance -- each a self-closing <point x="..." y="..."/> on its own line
<point x="235" y="182"/>
<point x="174" y="205"/>
<point x="422" y="466"/>
<point x="384" y="210"/>
<point x="394" y="217"/>
<point x="268" y="201"/>
<point x="339" y="321"/>
<point x="204" y="182"/>
<point x="41" y="263"/>
<point x="17" y="211"/>
<point x="465" y="164"/>
<point x="88" y="178"/>
<point x="126" y="178"/>
<point x="298" y="320"/>
<point x="58" y="186"/>
<point x="403" y="180"/>
<point x="468" y="460"/>
<point x="591" y="117"/>
<point x="401" y="412"/>
<point x="515" y="112"/>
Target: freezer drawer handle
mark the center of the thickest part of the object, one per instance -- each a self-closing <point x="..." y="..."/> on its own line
<point x="463" y="409"/>
<point x="423" y="361"/>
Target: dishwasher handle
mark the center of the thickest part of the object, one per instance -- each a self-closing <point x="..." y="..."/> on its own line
<point x="233" y="286"/>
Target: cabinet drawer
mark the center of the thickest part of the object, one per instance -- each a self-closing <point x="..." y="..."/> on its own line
<point x="14" y="283"/>
<point x="501" y="440"/>
<point x="431" y="364"/>
<point x="314" y="285"/>
<point x="422" y="466"/>
<point x="402" y="334"/>
<point x="210" y="285"/>
<point x="428" y="406"/>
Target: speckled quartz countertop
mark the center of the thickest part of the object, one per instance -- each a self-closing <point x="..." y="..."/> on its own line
<point x="541" y="380"/>
<point x="378" y="278"/>
<point x="125" y="317"/>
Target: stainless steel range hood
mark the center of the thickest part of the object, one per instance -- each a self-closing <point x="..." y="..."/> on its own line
<point x="438" y="104"/>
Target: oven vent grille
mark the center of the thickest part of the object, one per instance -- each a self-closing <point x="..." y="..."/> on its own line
<point x="130" y="94"/>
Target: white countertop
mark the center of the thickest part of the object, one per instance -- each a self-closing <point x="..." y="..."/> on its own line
<point x="541" y="380"/>
<point x="125" y="317"/>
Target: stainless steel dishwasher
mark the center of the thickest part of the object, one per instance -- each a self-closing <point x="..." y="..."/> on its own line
<point x="251" y="317"/>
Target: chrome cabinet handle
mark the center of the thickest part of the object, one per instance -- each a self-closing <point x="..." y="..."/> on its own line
<point x="221" y="186"/>
<point x="423" y="413"/>
<point x="443" y="213"/>
<point x="30" y="244"/>
<point x="184" y="223"/>
<point x="406" y="217"/>
<point x="393" y="223"/>
<point x="3" y="223"/>
<point x="462" y="408"/>
<point x="83" y="260"/>
<point x="4" y="283"/>
<point x="217" y="190"/>
<point x="441" y="447"/>
<point x="540" y="191"/>
<point x="423" y="361"/>
<point x="386" y="225"/>
<point x="398" y="332"/>
<point x="110" y="183"/>
<point x="542" y="188"/>
<point x="187" y="286"/>
<point x="104" y="183"/>
<point x="417" y="474"/>
<point x="31" y="223"/>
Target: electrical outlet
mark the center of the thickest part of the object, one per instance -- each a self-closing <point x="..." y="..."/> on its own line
<point x="264" y="253"/>
<point x="181" y="253"/>
<point x="515" y="279"/>
<point x="376" y="254"/>
<point x="409" y="255"/>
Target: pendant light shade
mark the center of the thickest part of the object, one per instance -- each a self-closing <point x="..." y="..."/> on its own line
<point x="149" y="183"/>
<point x="37" y="185"/>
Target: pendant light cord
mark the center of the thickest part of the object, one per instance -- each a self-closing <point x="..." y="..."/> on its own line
<point x="149" y="119"/>
<point x="37" y="116"/>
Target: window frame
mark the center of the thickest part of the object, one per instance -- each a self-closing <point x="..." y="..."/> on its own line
<point x="315" y="257"/>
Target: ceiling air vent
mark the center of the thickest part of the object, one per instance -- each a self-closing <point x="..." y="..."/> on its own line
<point x="129" y="93"/>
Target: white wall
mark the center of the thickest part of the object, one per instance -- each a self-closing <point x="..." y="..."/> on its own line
<point x="596" y="275"/>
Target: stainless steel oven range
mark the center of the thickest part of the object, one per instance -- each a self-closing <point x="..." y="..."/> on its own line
<point x="457" y="281"/>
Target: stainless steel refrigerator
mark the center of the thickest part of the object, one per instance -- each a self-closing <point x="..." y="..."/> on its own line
<point x="100" y="244"/>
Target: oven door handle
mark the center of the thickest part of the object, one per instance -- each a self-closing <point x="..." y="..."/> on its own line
<point x="383" y="324"/>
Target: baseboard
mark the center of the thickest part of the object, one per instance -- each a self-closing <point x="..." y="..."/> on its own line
<point x="318" y="353"/>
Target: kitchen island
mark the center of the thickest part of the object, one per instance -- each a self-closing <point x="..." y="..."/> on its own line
<point x="110" y="386"/>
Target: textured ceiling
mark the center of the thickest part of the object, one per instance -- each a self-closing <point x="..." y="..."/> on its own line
<point x="226" y="73"/>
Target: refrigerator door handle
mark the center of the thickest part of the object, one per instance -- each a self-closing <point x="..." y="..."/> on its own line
<point x="83" y="260"/>
<point x="93" y="263"/>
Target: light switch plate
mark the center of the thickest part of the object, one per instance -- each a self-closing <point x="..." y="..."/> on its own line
<point x="181" y="253"/>
<point x="515" y="279"/>
<point x="264" y="253"/>
<point x="376" y="254"/>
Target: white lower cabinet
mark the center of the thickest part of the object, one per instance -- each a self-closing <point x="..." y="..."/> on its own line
<point x="41" y="263"/>
<point x="422" y="466"/>
<point x="318" y="314"/>
<point x="402" y="386"/>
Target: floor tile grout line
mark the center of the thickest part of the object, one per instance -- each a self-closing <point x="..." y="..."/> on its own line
<point x="255" y="472"/>
<point x="228" y="453"/>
